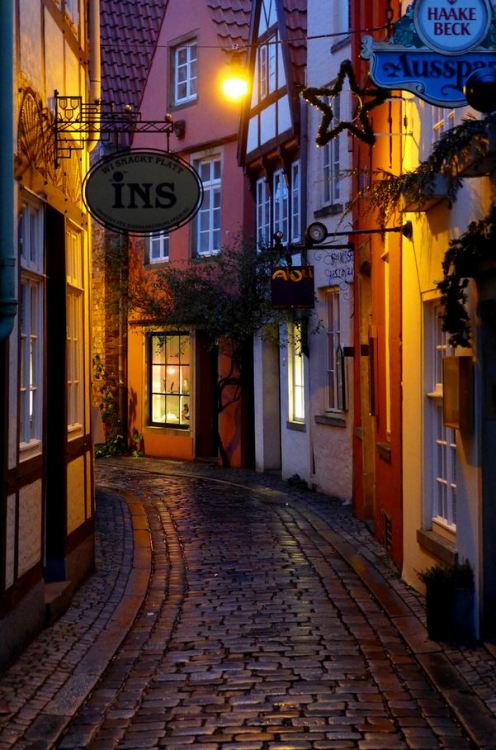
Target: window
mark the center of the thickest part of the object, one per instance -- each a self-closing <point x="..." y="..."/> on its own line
<point x="335" y="379"/>
<point x="280" y="204"/>
<point x="295" y="202"/>
<point x="296" y="375"/>
<point x="31" y="324"/>
<point x="72" y="10"/>
<point x="158" y="247"/>
<point x="75" y="319"/>
<point x="185" y="62"/>
<point x="207" y="225"/>
<point x="263" y="213"/>
<point x="442" y="120"/>
<point x="170" y="379"/>
<point x="440" y="440"/>
<point x="267" y="66"/>
<point x="330" y="164"/>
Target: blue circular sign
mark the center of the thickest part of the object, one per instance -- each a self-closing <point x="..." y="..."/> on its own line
<point x="452" y="26"/>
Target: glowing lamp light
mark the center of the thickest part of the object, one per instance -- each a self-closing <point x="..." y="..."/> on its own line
<point x="234" y="87"/>
<point x="234" y="82"/>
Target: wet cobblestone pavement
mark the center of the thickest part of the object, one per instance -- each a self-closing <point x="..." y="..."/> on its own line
<point x="260" y="628"/>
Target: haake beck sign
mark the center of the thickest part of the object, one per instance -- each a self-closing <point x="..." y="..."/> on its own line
<point x="142" y="192"/>
<point x="452" y="26"/>
<point x="434" y="48"/>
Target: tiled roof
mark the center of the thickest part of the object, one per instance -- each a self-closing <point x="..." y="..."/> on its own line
<point x="129" y="31"/>
<point x="296" y="29"/>
<point x="232" y="18"/>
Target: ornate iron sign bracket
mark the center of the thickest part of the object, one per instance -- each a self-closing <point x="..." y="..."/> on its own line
<point x="77" y="123"/>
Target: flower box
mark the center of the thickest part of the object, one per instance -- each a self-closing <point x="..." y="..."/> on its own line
<point x="425" y="194"/>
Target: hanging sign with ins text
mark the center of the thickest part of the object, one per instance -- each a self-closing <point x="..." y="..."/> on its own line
<point x="142" y="192"/>
<point x="434" y="48"/>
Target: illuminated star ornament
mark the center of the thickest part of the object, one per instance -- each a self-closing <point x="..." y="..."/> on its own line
<point x="317" y="97"/>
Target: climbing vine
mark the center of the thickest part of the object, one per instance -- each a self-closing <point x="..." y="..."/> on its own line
<point x="462" y="261"/>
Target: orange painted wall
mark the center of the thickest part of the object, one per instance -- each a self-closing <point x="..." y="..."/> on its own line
<point x="385" y="154"/>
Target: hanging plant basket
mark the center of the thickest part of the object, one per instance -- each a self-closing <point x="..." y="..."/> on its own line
<point x="480" y="159"/>
<point x="422" y="195"/>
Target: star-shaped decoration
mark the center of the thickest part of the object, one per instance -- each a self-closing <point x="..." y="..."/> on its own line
<point x="317" y="96"/>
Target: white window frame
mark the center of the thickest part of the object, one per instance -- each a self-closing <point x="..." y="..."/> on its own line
<point x="296" y="375"/>
<point x="439" y="441"/>
<point x="280" y="204"/>
<point x="333" y="342"/>
<point x="443" y="119"/>
<point x="268" y="66"/>
<point x="207" y="236"/>
<point x="75" y="310"/>
<point x="295" y="202"/>
<point x="31" y="329"/>
<point x="263" y="213"/>
<point x="331" y="164"/>
<point x="190" y="70"/>
<point x="158" y="247"/>
<point x="173" y="389"/>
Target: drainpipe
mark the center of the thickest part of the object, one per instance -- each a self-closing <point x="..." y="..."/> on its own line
<point x="8" y="302"/>
<point x="95" y="90"/>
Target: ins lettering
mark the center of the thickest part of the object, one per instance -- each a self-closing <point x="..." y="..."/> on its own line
<point x="126" y="194"/>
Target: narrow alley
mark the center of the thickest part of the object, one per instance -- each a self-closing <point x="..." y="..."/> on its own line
<point x="229" y="610"/>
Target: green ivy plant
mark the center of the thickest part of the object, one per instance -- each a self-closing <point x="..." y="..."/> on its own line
<point x="463" y="260"/>
<point x="463" y="144"/>
<point x="107" y="388"/>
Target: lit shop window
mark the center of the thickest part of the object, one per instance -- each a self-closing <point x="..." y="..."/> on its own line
<point x="296" y="375"/>
<point x="170" y="379"/>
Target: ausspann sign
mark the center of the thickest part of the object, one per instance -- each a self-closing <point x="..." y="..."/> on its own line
<point x="143" y="192"/>
<point x="435" y="47"/>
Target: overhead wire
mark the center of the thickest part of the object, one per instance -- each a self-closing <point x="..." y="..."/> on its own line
<point x="241" y="47"/>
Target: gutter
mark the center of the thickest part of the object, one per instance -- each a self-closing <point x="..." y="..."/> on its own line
<point x="8" y="301"/>
<point x="95" y="64"/>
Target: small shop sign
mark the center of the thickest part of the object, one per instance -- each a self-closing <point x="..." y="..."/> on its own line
<point x="293" y="287"/>
<point x="142" y="192"/>
<point x="434" y="49"/>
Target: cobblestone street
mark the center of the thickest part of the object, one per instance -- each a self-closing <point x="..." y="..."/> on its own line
<point x="260" y="617"/>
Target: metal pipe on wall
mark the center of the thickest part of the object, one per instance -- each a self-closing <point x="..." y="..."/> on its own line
<point x="95" y="76"/>
<point x="8" y="301"/>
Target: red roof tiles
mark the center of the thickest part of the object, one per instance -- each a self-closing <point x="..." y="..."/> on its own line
<point x="129" y="31"/>
<point x="295" y="12"/>
<point x="233" y="20"/>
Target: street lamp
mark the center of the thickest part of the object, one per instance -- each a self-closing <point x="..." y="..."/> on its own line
<point x="234" y="82"/>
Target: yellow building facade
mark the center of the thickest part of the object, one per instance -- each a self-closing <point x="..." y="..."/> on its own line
<point x="46" y="505"/>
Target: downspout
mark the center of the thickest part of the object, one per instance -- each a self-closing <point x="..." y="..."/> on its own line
<point x="8" y="301"/>
<point x="95" y="76"/>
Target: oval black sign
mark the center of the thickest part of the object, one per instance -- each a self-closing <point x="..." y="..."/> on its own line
<point x="142" y="191"/>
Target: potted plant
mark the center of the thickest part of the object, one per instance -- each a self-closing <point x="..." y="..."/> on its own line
<point x="450" y="602"/>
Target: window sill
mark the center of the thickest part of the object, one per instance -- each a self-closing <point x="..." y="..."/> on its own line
<point x="333" y="420"/>
<point x="344" y="42"/>
<point x="437" y="546"/>
<point x="74" y="431"/>
<point x="296" y="426"/>
<point x="29" y="450"/>
<point x="180" y="429"/>
<point x="330" y="210"/>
